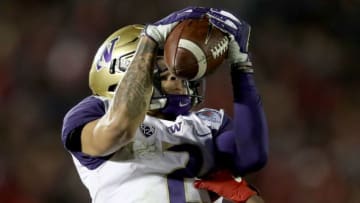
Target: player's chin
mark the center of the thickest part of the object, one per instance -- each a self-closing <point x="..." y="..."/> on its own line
<point x="176" y="92"/>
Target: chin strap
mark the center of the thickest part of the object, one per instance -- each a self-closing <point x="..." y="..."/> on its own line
<point x="158" y="103"/>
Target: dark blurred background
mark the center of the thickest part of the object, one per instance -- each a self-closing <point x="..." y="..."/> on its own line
<point x="306" y="59"/>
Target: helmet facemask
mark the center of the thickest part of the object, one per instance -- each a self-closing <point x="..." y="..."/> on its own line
<point x="175" y="104"/>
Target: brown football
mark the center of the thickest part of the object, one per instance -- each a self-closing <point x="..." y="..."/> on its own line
<point x="195" y="48"/>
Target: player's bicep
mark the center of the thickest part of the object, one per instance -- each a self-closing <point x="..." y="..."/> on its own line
<point x="225" y="148"/>
<point x="95" y="141"/>
<point x="88" y="143"/>
<point x="99" y="139"/>
<point x="225" y="138"/>
<point x="225" y="143"/>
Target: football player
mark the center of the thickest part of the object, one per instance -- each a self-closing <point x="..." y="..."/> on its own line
<point x="136" y="140"/>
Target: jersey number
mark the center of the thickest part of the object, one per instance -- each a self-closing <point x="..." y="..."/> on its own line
<point x="176" y="178"/>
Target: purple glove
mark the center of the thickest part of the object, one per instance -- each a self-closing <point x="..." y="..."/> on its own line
<point x="239" y="33"/>
<point x="161" y="29"/>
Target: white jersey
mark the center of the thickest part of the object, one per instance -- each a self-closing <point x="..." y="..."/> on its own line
<point x="159" y="165"/>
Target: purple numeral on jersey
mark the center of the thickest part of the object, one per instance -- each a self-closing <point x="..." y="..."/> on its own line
<point x="176" y="178"/>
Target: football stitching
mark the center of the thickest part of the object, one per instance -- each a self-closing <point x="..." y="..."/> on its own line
<point x="220" y="48"/>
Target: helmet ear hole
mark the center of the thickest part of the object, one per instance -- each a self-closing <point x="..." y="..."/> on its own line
<point x="112" y="88"/>
<point x="112" y="66"/>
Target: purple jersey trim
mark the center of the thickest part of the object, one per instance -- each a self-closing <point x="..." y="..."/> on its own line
<point x="89" y="109"/>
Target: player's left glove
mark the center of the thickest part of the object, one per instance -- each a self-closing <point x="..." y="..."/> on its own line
<point x="224" y="184"/>
<point x="161" y="29"/>
<point x="239" y="33"/>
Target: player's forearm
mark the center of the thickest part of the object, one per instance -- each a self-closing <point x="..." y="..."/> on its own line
<point x="250" y="128"/>
<point x="132" y="96"/>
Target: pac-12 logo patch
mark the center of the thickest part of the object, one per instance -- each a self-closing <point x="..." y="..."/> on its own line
<point x="147" y="130"/>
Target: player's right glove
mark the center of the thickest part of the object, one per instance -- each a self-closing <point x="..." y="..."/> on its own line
<point x="161" y="29"/>
<point x="239" y="33"/>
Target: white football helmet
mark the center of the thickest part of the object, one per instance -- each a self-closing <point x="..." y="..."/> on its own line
<point x="110" y="64"/>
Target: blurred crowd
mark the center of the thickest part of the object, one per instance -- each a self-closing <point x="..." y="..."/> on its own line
<point x="305" y="56"/>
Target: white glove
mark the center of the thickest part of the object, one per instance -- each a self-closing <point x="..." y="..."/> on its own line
<point x="161" y="29"/>
<point x="239" y="32"/>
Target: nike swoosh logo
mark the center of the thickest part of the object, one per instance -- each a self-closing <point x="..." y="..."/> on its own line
<point x="183" y="104"/>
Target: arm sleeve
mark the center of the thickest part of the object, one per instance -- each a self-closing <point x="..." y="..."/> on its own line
<point x="243" y="142"/>
<point x="89" y="109"/>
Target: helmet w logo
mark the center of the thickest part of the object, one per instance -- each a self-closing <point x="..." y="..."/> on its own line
<point x="106" y="55"/>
